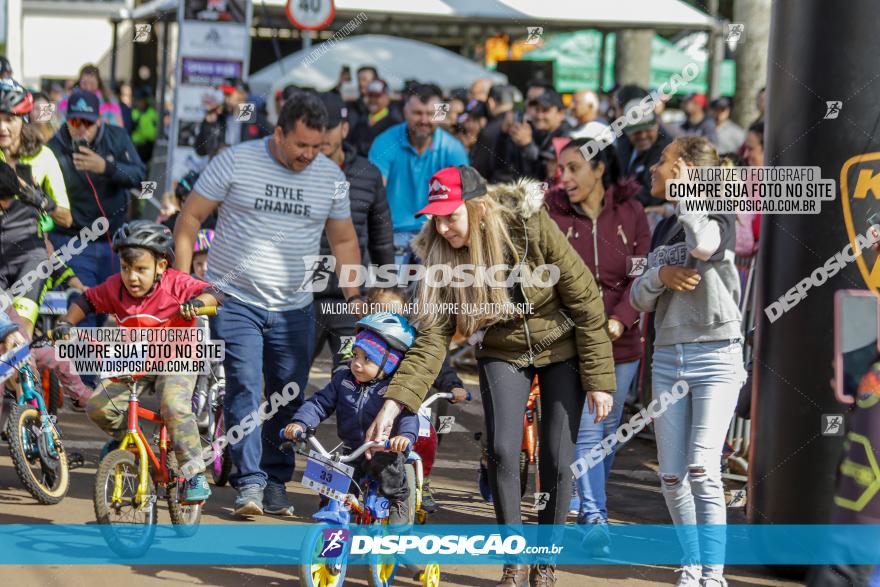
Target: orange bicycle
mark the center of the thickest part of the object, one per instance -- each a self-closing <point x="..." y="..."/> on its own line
<point x="131" y="479"/>
<point x="529" y="452"/>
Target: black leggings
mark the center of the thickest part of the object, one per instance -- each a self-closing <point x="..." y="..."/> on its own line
<point x="505" y="391"/>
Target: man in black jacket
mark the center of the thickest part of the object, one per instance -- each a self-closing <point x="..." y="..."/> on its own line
<point x="372" y="222"/>
<point x="535" y="140"/>
<point x="380" y="116"/>
<point x="642" y="148"/>
<point x="231" y="122"/>
<point x="494" y="154"/>
<point x="100" y="165"/>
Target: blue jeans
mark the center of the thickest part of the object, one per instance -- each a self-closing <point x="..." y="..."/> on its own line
<point x="690" y="437"/>
<point x="591" y="485"/>
<point x="281" y="343"/>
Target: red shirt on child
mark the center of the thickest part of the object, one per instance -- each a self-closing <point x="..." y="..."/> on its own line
<point x="157" y="308"/>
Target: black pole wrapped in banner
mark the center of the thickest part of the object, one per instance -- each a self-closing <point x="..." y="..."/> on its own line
<point x="822" y="110"/>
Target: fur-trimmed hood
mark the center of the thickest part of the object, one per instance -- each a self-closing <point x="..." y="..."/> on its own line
<point x="525" y="195"/>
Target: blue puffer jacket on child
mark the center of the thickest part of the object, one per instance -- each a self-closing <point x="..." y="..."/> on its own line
<point x="356" y="405"/>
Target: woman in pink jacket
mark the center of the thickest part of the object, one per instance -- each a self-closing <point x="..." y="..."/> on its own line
<point x="597" y="210"/>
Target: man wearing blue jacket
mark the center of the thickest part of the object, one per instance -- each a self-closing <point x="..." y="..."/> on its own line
<point x="356" y="394"/>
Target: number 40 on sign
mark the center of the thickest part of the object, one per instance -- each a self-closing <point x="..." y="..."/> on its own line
<point x="310" y="15"/>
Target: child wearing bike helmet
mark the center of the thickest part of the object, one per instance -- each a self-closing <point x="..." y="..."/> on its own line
<point x="394" y="299"/>
<point x="147" y="293"/>
<point x="200" y="252"/>
<point x="356" y="394"/>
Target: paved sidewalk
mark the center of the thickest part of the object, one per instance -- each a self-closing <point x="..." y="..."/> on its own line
<point x="634" y="497"/>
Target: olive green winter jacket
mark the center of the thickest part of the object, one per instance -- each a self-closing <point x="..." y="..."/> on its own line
<point x="546" y="335"/>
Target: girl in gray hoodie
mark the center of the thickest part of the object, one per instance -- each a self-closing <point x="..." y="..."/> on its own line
<point x="692" y="286"/>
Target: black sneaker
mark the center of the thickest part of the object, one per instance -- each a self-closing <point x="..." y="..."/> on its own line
<point x="275" y="500"/>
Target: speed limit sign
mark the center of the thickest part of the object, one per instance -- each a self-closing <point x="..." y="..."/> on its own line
<point x="310" y="15"/>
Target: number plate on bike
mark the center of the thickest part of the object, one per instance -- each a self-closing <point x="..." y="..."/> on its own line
<point x="425" y="422"/>
<point x="54" y="303"/>
<point x="326" y="477"/>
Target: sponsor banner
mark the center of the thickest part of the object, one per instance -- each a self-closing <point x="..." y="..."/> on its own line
<point x="289" y="544"/>
<point x="214" y="44"/>
<point x="209" y="72"/>
<point x="216" y="10"/>
<point x="215" y="41"/>
<point x="859" y="192"/>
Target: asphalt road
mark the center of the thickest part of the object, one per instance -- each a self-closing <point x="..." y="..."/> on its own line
<point x="633" y="491"/>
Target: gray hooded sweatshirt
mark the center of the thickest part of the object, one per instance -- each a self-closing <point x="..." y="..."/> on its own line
<point x="710" y="312"/>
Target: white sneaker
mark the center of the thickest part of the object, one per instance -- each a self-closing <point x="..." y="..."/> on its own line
<point x="690" y="576"/>
<point x="713" y="582"/>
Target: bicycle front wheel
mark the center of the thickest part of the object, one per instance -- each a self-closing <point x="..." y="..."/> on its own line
<point x="128" y="527"/>
<point x="318" y="571"/>
<point x="430" y="577"/>
<point x="382" y="573"/>
<point x="43" y="470"/>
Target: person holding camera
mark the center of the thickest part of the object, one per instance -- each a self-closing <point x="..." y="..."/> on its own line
<point x="100" y="165"/>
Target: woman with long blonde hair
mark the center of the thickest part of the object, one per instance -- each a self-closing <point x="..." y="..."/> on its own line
<point x="498" y="269"/>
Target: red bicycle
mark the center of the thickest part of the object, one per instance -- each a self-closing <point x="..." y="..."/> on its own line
<point x="131" y="479"/>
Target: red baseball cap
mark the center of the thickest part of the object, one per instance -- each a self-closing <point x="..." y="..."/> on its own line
<point x="450" y="187"/>
<point x="699" y="99"/>
<point x="232" y="84"/>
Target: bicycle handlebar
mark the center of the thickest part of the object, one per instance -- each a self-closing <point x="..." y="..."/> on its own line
<point x="316" y="444"/>
<point x="443" y="395"/>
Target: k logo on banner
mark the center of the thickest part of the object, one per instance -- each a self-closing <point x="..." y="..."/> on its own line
<point x="860" y="198"/>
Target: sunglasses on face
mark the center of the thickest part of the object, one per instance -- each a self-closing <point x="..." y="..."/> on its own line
<point x="80" y="123"/>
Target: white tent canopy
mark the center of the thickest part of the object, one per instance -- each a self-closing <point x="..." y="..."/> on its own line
<point x="594" y="13"/>
<point x="655" y="14"/>
<point x="395" y="58"/>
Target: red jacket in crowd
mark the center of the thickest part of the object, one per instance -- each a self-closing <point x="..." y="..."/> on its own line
<point x="621" y="231"/>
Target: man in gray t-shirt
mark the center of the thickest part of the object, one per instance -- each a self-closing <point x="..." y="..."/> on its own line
<point x="276" y="197"/>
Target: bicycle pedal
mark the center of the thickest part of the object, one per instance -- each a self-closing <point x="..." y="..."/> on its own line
<point x="75" y="460"/>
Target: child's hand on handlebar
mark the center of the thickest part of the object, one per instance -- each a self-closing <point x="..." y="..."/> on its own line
<point x="399" y="444"/>
<point x="459" y="394"/>
<point x="61" y="331"/>
<point x="292" y="431"/>
<point x="188" y="309"/>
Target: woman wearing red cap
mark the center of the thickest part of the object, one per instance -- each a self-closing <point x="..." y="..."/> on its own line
<point x="540" y="314"/>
